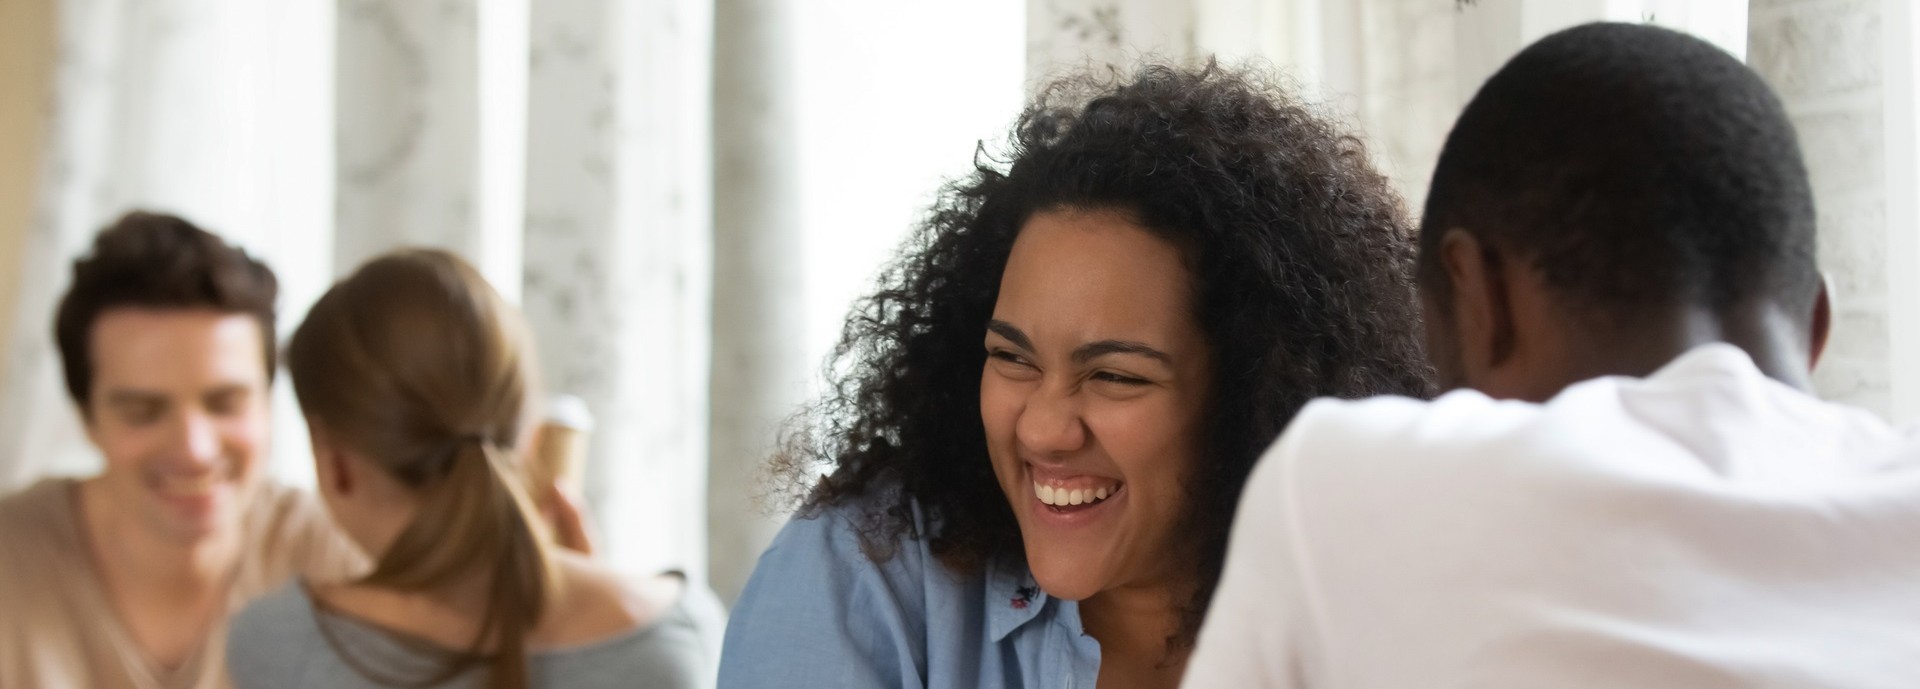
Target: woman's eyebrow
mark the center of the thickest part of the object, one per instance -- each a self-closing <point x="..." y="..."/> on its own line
<point x="1086" y="352"/>
<point x="1013" y="334"/>
<point x="1095" y="350"/>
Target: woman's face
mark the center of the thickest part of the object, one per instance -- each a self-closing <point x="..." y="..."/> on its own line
<point x="1092" y="394"/>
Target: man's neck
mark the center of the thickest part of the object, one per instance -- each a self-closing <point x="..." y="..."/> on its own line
<point x="1777" y="345"/>
<point x="167" y="594"/>
<point x="132" y="554"/>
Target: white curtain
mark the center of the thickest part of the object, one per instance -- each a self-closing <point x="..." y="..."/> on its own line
<point x="430" y="131"/>
<point x="211" y="109"/>
<point x="617" y="266"/>
<point x="1398" y="69"/>
<point x="560" y="146"/>
<point x="1901" y="118"/>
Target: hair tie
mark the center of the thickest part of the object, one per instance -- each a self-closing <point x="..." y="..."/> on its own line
<point x="476" y="438"/>
<point x="450" y="450"/>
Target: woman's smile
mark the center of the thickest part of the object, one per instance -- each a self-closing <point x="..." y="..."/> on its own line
<point x="1070" y="498"/>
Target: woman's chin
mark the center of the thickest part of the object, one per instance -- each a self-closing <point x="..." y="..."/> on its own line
<point x="1064" y="578"/>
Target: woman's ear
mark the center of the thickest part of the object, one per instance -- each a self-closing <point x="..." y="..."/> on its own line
<point x="331" y="467"/>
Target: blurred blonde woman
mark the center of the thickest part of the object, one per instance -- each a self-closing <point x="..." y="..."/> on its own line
<point x="413" y="375"/>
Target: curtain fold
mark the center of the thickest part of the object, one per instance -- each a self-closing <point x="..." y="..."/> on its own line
<point x="417" y="159"/>
<point x="616" y="271"/>
<point x="760" y="367"/>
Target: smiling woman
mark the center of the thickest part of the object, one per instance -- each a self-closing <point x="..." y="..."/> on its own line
<point x="1093" y="395"/>
<point x="1041" y="421"/>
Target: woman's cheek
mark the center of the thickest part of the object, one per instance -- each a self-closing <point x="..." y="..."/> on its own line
<point x="1151" y="442"/>
<point x="999" y="412"/>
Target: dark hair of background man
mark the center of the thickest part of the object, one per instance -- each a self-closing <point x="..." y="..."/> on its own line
<point x="156" y="261"/>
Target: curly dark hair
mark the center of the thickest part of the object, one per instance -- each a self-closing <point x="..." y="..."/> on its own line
<point x="1301" y="254"/>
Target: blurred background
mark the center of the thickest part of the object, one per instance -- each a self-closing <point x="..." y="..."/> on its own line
<point x="685" y="196"/>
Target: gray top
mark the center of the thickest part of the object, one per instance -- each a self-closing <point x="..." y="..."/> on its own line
<point x="277" y="642"/>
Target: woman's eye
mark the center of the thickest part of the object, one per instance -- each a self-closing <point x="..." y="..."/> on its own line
<point x="1007" y="356"/>
<point x="1111" y="377"/>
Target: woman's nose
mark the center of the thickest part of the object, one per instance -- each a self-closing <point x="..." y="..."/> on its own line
<point x="1051" y="421"/>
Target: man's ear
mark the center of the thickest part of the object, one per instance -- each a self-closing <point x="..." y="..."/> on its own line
<point x="1483" y="313"/>
<point x="330" y="463"/>
<point x="1820" y="322"/>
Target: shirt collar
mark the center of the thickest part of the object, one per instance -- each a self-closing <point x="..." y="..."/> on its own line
<point x="1013" y="599"/>
<point x="1718" y="356"/>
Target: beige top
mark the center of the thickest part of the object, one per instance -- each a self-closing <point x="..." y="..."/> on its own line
<point x="58" y="628"/>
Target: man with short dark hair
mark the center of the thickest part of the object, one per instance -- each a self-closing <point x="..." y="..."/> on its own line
<point x="1636" y="488"/>
<point x="124" y="580"/>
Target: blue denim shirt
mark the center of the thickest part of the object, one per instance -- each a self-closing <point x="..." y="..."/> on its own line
<point x="818" y="613"/>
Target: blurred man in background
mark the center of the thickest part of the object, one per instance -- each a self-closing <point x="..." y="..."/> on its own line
<point x="124" y="580"/>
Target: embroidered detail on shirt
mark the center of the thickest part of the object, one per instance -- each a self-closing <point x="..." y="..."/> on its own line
<point x="1026" y="596"/>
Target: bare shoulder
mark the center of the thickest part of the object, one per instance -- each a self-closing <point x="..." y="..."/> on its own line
<point x="593" y="602"/>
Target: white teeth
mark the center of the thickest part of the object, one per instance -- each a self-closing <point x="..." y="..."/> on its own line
<point x="1063" y="497"/>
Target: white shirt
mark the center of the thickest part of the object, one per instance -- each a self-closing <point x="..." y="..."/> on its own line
<point x="1705" y="527"/>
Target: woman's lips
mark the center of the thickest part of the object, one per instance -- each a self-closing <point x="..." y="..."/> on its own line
<point x="1060" y="493"/>
<point x="187" y="486"/>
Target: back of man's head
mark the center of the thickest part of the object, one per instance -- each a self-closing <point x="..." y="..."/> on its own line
<point x="157" y="261"/>
<point x="1636" y="169"/>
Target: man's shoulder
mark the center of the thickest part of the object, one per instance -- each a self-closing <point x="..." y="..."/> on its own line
<point x="1459" y="426"/>
<point x="39" y="495"/>
<point x="285" y="505"/>
<point x="292" y="535"/>
<point x="284" y="519"/>
<point x="40" y="549"/>
<point x="38" y="517"/>
<point x="1396" y="455"/>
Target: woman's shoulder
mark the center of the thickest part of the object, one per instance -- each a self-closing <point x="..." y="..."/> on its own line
<point x="287" y="607"/>
<point x="626" y="631"/>
<point x="848" y="545"/>
<point x="882" y="526"/>
<point x="594" y="602"/>
<point x="271" y="635"/>
<point x="825" y="597"/>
